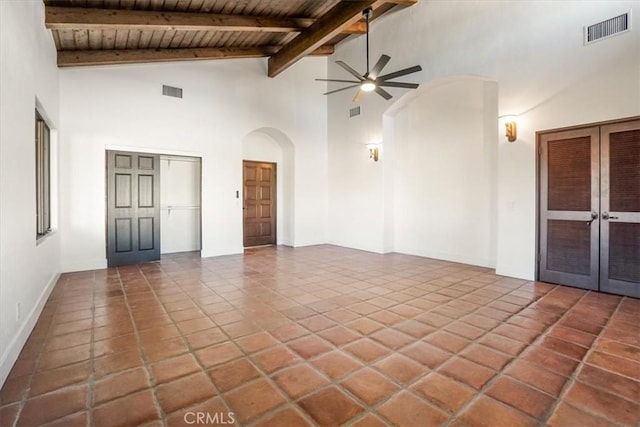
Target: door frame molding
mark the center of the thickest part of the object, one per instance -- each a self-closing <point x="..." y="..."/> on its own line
<point x="538" y="156"/>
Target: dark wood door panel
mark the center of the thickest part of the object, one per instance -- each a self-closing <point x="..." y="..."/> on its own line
<point x="259" y="210"/>
<point x="133" y="209"/>
<point x="569" y="197"/>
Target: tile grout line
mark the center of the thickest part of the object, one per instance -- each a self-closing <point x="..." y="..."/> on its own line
<point x="487" y="385"/>
<point x="573" y="377"/>
<point x="150" y="380"/>
<point x="193" y="351"/>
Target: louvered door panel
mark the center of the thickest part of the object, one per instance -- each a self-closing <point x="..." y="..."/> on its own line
<point x="569" y="183"/>
<point x="620" y="224"/>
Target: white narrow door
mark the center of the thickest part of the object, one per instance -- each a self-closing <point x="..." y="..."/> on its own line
<point x="180" y="204"/>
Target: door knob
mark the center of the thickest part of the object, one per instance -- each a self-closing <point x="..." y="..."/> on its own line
<point x="594" y="216"/>
<point x="605" y="215"/>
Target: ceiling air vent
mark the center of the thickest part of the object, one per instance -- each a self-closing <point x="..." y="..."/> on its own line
<point x="176" y="92"/>
<point x="608" y="28"/>
<point x="355" y="111"/>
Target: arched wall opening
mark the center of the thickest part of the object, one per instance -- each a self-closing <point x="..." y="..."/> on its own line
<point x="272" y="145"/>
<point x="440" y="171"/>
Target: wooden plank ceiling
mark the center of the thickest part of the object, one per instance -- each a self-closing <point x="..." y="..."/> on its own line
<point x="102" y="32"/>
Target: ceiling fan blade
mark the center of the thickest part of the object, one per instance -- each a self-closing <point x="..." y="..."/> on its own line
<point x="358" y="96"/>
<point x="383" y="93"/>
<point x="379" y="66"/>
<point x="399" y="84"/>
<point x="341" y="89"/>
<point x="400" y="73"/>
<point x="335" y="80"/>
<point x="351" y="71"/>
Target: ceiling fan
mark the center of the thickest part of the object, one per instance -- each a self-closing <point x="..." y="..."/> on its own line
<point x="371" y="80"/>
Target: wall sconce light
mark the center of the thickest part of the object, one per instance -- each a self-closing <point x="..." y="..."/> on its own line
<point x="511" y="130"/>
<point x="374" y="151"/>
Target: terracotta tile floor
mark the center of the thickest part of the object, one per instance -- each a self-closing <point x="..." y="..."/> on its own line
<point x="324" y="336"/>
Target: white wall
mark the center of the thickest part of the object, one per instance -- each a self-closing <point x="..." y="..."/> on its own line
<point x="444" y="173"/>
<point x="533" y="50"/>
<point x="122" y="106"/>
<point x="28" y="270"/>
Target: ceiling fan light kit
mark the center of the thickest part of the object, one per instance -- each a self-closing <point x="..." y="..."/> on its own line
<point x="371" y="80"/>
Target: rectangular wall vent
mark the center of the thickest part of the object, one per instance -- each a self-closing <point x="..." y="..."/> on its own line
<point x="355" y="111"/>
<point x="176" y="92"/>
<point x="605" y="29"/>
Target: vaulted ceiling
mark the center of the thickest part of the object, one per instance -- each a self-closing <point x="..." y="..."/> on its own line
<point x="101" y="32"/>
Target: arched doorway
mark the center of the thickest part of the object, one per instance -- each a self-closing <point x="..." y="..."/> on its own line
<point x="270" y="145"/>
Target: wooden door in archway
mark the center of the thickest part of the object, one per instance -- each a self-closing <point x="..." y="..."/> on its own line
<point x="259" y="209"/>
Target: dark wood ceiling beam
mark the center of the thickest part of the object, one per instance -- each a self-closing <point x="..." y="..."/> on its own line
<point x="73" y="58"/>
<point x="402" y="2"/>
<point x="328" y="26"/>
<point x="78" y="18"/>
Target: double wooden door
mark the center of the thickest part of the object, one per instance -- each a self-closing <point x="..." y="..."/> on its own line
<point x="259" y="210"/>
<point x="590" y="207"/>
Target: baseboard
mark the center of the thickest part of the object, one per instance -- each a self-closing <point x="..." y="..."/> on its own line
<point x="91" y="264"/>
<point x="444" y="256"/>
<point x="10" y="355"/>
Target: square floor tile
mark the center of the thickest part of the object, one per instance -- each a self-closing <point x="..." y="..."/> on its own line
<point x="310" y="346"/>
<point x="175" y="367"/>
<point x="366" y="350"/>
<point x="369" y="385"/>
<point x="217" y="354"/>
<point x="401" y="368"/>
<point x="120" y="385"/>
<point x="566" y="415"/>
<point x="233" y="374"/>
<point x="253" y="400"/>
<point x="275" y="358"/>
<point x="138" y="408"/>
<point x="336" y="364"/>
<point x="185" y="392"/>
<point x="520" y="396"/>
<point x="48" y="407"/>
<point x="299" y="380"/>
<point x="443" y="391"/>
<point x="405" y="409"/>
<point x="487" y="412"/>
<point x="467" y="372"/>
<point x="330" y="407"/>
<point x="339" y="335"/>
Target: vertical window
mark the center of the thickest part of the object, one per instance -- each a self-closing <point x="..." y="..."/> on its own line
<point x="43" y="178"/>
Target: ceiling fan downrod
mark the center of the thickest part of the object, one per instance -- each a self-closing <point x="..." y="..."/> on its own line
<point x="367" y="14"/>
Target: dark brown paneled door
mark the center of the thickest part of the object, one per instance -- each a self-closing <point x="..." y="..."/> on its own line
<point x="133" y="208"/>
<point x="590" y="208"/>
<point x="259" y="210"/>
